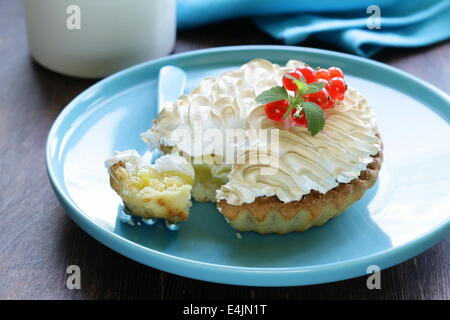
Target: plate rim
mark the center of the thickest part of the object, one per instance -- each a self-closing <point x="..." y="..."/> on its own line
<point x="254" y="276"/>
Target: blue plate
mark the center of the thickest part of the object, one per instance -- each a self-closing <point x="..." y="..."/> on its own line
<point x="406" y="212"/>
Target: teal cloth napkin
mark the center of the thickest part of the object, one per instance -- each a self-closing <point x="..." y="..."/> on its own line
<point x="403" y="23"/>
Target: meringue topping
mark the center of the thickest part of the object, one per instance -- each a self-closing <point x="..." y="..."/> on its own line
<point x="301" y="162"/>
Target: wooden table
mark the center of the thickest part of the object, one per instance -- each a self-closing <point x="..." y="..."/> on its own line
<point x="38" y="240"/>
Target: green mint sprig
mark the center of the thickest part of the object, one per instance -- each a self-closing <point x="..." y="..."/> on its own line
<point x="313" y="113"/>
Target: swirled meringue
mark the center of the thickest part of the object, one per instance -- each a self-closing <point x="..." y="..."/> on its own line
<point x="301" y="162"/>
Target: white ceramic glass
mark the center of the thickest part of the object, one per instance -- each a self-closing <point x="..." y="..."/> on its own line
<point x="94" y="38"/>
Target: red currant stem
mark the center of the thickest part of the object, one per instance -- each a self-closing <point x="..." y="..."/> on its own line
<point x="299" y="111"/>
<point x="293" y="103"/>
<point x="298" y="99"/>
<point x="290" y="99"/>
<point x="288" y="111"/>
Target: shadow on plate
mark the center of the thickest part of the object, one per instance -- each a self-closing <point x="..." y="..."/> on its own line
<point x="207" y="237"/>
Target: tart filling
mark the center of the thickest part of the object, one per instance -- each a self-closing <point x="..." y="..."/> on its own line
<point x="152" y="191"/>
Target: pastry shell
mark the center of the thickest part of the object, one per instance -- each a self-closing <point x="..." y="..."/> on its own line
<point x="270" y="215"/>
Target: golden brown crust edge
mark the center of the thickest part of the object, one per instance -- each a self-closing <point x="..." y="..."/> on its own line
<point x="270" y="215"/>
<point x="154" y="207"/>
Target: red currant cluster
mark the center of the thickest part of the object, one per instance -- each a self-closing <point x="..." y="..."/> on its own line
<point x="334" y="88"/>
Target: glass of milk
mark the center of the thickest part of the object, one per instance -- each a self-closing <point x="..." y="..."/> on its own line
<point x="94" y="38"/>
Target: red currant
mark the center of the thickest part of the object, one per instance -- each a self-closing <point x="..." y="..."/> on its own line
<point x="308" y="73"/>
<point x="335" y="72"/>
<point x="326" y="84"/>
<point x="300" y="120"/>
<point x="329" y="104"/>
<point x="276" y="110"/>
<point x="337" y="88"/>
<point x="321" y="98"/>
<point x="289" y="84"/>
<point x="322" y="74"/>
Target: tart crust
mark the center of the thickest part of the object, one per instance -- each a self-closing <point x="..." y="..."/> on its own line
<point x="270" y="215"/>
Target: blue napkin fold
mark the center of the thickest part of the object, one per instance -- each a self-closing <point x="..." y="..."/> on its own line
<point x="403" y="23"/>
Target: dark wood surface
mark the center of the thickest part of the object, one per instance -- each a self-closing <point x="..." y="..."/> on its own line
<point x="38" y="240"/>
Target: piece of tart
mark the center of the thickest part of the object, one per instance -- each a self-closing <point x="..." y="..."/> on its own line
<point x="316" y="174"/>
<point x="150" y="191"/>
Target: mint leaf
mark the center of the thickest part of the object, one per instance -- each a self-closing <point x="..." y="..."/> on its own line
<point x="301" y="85"/>
<point x="313" y="87"/>
<point x="273" y="94"/>
<point x="314" y="116"/>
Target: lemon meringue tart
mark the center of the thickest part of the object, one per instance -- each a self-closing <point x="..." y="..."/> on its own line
<point x="305" y="146"/>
